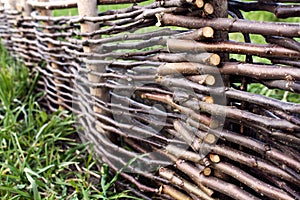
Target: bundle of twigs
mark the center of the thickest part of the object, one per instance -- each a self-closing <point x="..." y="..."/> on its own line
<point x="153" y="82"/>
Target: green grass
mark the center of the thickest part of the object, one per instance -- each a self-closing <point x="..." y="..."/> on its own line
<point x="40" y="155"/>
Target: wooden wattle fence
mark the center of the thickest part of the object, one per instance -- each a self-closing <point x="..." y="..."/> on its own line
<point x="152" y="84"/>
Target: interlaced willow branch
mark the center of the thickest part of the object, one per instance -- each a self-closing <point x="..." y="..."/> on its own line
<point x="177" y="97"/>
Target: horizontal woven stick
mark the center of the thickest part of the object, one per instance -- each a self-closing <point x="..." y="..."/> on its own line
<point x="154" y="38"/>
<point x="263" y="101"/>
<point x="288" y="117"/>
<point x="284" y="42"/>
<point x="132" y="36"/>
<point x="213" y="183"/>
<point x="233" y="25"/>
<point x="140" y="106"/>
<point x="257" y="146"/>
<point x="257" y="71"/>
<point x="183" y="153"/>
<point x="187" y="111"/>
<point x="133" y="190"/>
<point x="252" y="161"/>
<point x="138" y="138"/>
<point x="261" y="72"/>
<point x="34" y="16"/>
<point x="287" y="11"/>
<point x="241" y="157"/>
<point x="280" y="11"/>
<point x="289" y="139"/>
<point x="263" y="50"/>
<point x="52" y="27"/>
<point x="136" y="14"/>
<point x="186" y="68"/>
<point x="252" y="182"/>
<point x="121" y="64"/>
<point x="292" y="63"/>
<point x="108" y="160"/>
<point x="111" y="149"/>
<point x="114" y="29"/>
<point x="284" y="85"/>
<point x="162" y="41"/>
<point x="232" y="93"/>
<point x="283" y="185"/>
<point x="208" y="58"/>
<point x="198" y="34"/>
<point x="273" y="154"/>
<point x="180" y="153"/>
<point x="169" y="190"/>
<point x="126" y="130"/>
<point x="179" y="181"/>
<point x="192" y="136"/>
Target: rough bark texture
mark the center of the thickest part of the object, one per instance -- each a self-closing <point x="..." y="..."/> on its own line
<point x="154" y="96"/>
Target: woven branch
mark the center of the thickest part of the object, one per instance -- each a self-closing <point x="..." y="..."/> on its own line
<point x="233" y="25"/>
<point x="175" y="94"/>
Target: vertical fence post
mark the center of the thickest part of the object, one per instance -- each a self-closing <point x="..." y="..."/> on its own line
<point x="89" y="8"/>
<point x="44" y="12"/>
<point x="26" y="8"/>
<point x="10" y="6"/>
<point x="221" y="11"/>
<point x="2" y="22"/>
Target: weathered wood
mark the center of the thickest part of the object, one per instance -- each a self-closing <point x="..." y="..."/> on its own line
<point x="57" y="82"/>
<point x="233" y="25"/>
<point x="89" y="8"/>
<point x="166" y="83"/>
<point x="171" y="191"/>
<point x="199" y="3"/>
<point x="168" y="174"/>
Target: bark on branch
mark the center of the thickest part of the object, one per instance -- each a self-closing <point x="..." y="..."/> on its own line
<point x="233" y="25"/>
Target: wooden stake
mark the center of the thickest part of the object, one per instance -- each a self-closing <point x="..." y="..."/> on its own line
<point x="26" y="11"/>
<point x="48" y="13"/>
<point x="89" y="8"/>
<point x="11" y="5"/>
